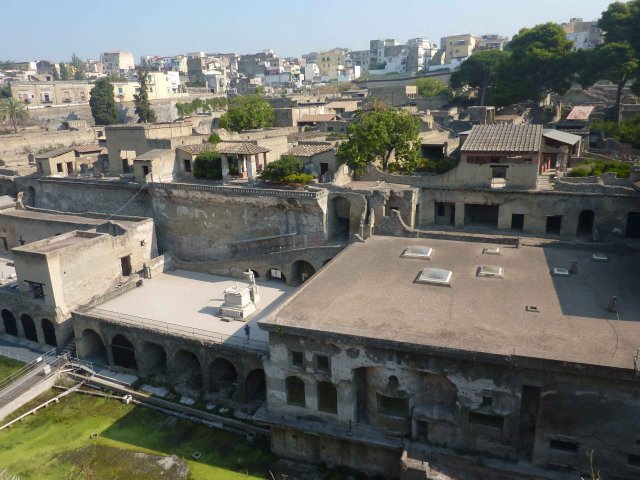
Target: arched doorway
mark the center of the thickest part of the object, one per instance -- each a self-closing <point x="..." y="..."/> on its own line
<point x="124" y="354"/>
<point x="153" y="359"/>
<point x="188" y="369"/>
<point x="341" y="217"/>
<point x="91" y="347"/>
<point x="327" y="397"/>
<point x="256" y="387"/>
<point x="295" y="392"/>
<point x="224" y="377"/>
<point x="29" y="328"/>
<point x="10" y="324"/>
<point x="585" y="222"/>
<point x="49" y="331"/>
<point x="301" y="271"/>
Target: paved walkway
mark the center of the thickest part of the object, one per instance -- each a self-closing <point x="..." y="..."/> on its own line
<point x="21" y="349"/>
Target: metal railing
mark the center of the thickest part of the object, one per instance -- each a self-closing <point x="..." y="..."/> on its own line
<point x="31" y="364"/>
<point x="181" y="330"/>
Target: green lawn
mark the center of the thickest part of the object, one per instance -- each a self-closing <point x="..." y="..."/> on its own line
<point x="8" y="366"/>
<point x="56" y="444"/>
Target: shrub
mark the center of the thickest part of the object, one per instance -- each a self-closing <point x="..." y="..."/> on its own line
<point x="598" y="167"/>
<point x="298" y="178"/>
<point x="278" y="170"/>
<point x="214" y="138"/>
<point x="581" y="171"/>
<point x="208" y="165"/>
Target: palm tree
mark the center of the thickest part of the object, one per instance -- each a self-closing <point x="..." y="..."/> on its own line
<point x="14" y="111"/>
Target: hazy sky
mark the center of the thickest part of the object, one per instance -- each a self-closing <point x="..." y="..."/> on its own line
<point x="53" y="29"/>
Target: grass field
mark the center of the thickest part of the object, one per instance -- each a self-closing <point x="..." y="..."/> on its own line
<point x="8" y="366"/>
<point x="132" y="443"/>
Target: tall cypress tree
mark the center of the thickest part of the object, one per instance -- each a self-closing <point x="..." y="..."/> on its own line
<point x="103" y="103"/>
<point x="141" y="100"/>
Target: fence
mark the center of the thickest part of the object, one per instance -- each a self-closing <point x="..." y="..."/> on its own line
<point x="247" y="191"/>
<point x="181" y="330"/>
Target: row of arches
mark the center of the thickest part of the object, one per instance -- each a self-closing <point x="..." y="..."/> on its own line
<point x="326" y="394"/>
<point x="299" y="272"/>
<point x="184" y="366"/>
<point x="10" y="324"/>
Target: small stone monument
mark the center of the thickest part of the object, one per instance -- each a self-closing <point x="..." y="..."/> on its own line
<point x="240" y="302"/>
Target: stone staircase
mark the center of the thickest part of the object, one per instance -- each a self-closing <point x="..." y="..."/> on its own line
<point x="69" y="348"/>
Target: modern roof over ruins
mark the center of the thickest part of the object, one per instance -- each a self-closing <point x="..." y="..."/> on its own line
<point x="369" y="291"/>
<point x="504" y="138"/>
<point x="54" y="153"/>
<point x="580" y="112"/>
<point x="560" y="136"/>
<point x="240" y="148"/>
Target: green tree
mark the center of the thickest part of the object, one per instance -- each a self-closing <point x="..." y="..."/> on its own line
<point x="431" y="87"/>
<point x="479" y="71"/>
<point x="248" y="112"/>
<point x="141" y="100"/>
<point x="64" y="72"/>
<point x="5" y="91"/>
<point x="55" y="73"/>
<point x="286" y="165"/>
<point x="376" y="135"/>
<point x="208" y="165"/>
<point x="14" y="111"/>
<point x="103" y="103"/>
<point x="618" y="59"/>
<point x="540" y="63"/>
<point x="78" y="67"/>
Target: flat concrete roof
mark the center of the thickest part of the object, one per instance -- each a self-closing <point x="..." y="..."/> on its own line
<point x="368" y="290"/>
<point x="51" y="216"/>
<point x="53" y="244"/>
<point x="191" y="299"/>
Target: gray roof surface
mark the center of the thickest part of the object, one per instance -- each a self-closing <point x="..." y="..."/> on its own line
<point x="504" y="138"/>
<point x="153" y="154"/>
<point x="369" y="291"/>
<point x="242" y="148"/>
<point x="560" y="136"/>
<point x="197" y="148"/>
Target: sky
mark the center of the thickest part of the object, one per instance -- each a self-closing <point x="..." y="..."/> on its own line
<point x="54" y="29"/>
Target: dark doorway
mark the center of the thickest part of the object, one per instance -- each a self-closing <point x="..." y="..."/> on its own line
<point x="3" y="243"/>
<point x="29" y="328"/>
<point x="327" y="397"/>
<point x="585" y="222"/>
<point x="445" y="213"/>
<point x="125" y="263"/>
<point x="529" y="407"/>
<point x="125" y="165"/>
<point x="633" y="225"/>
<point x="483" y="215"/>
<point x="341" y="212"/>
<point x="276" y="274"/>
<point x="145" y="170"/>
<point x="422" y="431"/>
<point x="360" y="381"/>
<point x="31" y="197"/>
<point x="10" y="324"/>
<point x="324" y="168"/>
<point x="49" y="331"/>
<point x="69" y="167"/>
<point x="517" y="222"/>
<point x="554" y="223"/>
<point x="124" y="355"/>
<point x="256" y="386"/>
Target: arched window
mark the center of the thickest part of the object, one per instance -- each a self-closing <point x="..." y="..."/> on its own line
<point x="295" y="392"/>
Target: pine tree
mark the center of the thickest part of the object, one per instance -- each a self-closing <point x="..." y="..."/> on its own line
<point x="141" y="100"/>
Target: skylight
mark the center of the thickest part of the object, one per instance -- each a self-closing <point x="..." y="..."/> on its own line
<point x="435" y="276"/>
<point x="560" y="272"/>
<point x="600" y="257"/>
<point x="418" y="251"/>
<point x="492" y="251"/>
<point x="490" y="271"/>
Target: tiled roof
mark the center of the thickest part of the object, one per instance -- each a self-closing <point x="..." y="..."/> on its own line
<point x="504" y="138"/>
<point x="309" y="150"/>
<point x="321" y="117"/>
<point x="580" y="113"/>
<point x="241" y="148"/>
<point x="152" y="154"/>
<point x="87" y="148"/>
<point x="297" y="136"/>
<point x="54" y="153"/>
<point x="197" y="149"/>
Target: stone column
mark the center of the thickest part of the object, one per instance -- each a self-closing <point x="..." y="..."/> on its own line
<point x="224" y="161"/>
<point x="251" y="167"/>
<point x="459" y="217"/>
